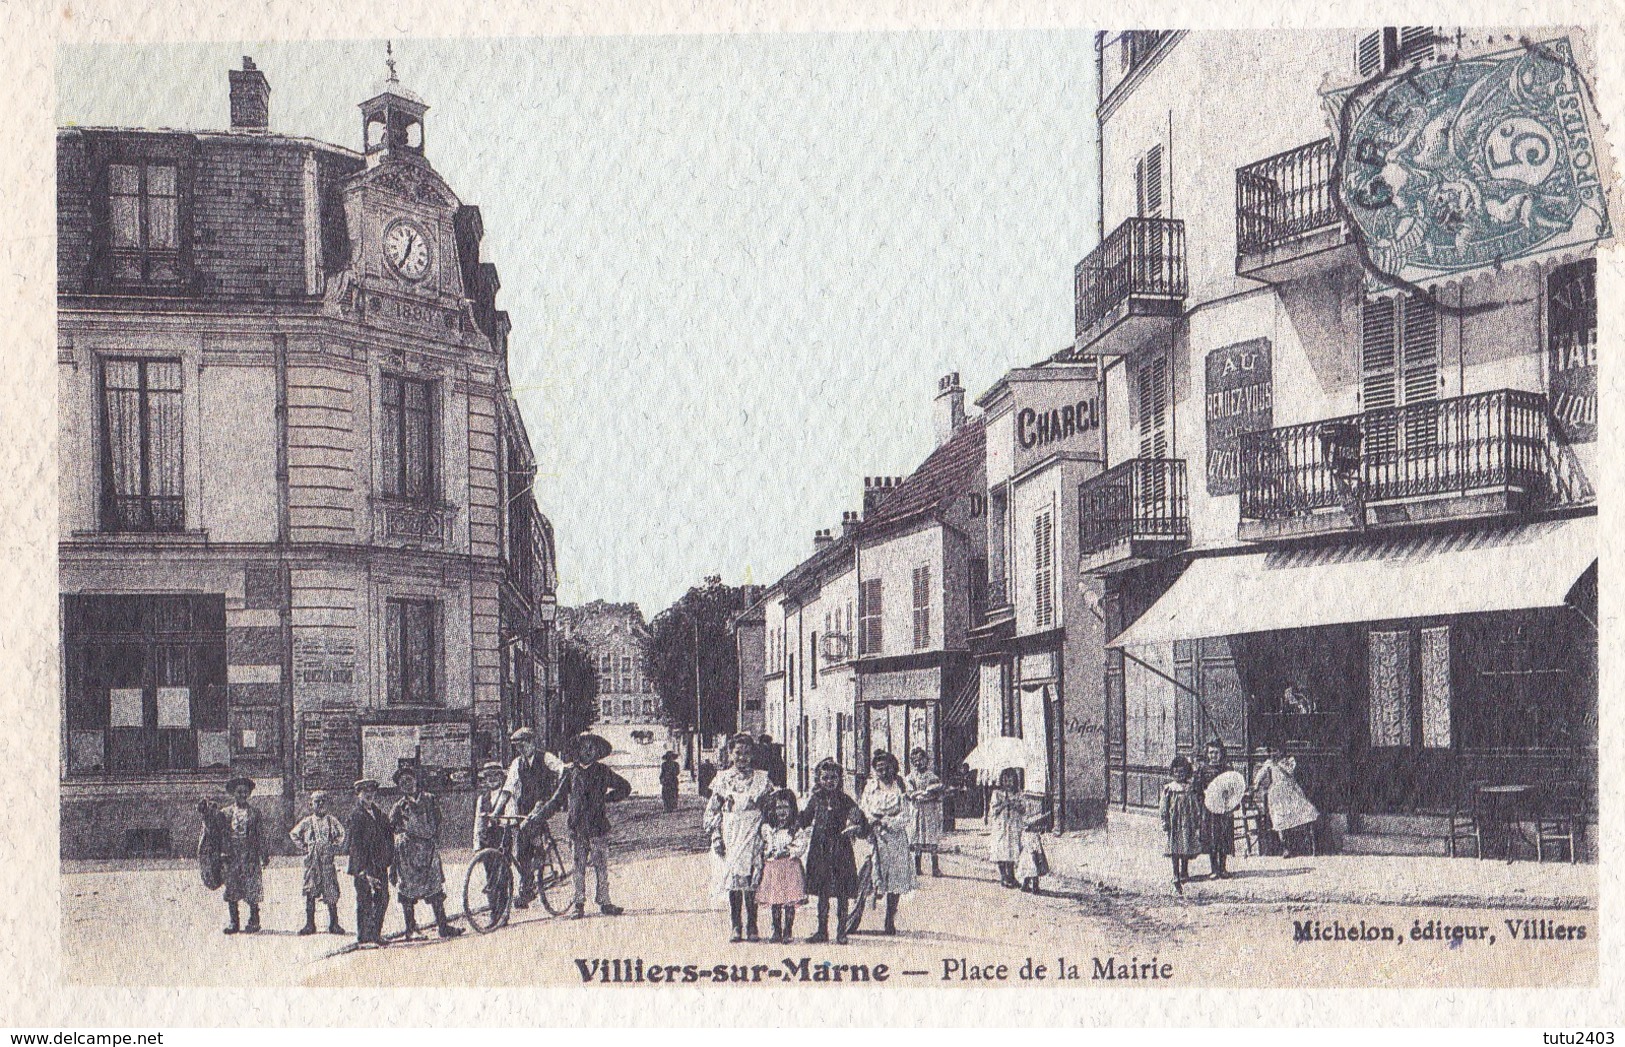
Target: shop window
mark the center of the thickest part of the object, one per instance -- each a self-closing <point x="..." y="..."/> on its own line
<point x="1044" y="569"/>
<point x="409" y="445"/>
<point x="414" y="651"/>
<point x="1529" y="682"/>
<point x="922" y="608"/>
<point x="146" y="683"/>
<point x="141" y="445"/>
<point x="1410" y="687"/>
<point x="871" y="595"/>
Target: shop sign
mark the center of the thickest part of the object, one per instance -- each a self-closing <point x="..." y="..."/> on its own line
<point x="1240" y="399"/>
<point x="1055" y="418"/>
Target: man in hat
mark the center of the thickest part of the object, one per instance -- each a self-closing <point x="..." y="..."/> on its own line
<point x="245" y="855"/>
<point x="586" y="788"/>
<point x="530" y="782"/>
<point x="372" y="854"/>
<point x="418" y="872"/>
<point x="668" y="780"/>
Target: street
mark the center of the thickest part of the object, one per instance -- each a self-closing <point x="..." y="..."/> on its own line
<point x="157" y="925"/>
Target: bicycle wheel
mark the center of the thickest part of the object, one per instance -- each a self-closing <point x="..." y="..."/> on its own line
<point x="488" y="889"/>
<point x="551" y="877"/>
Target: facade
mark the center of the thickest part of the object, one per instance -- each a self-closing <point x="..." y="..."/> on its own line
<point x="864" y="645"/>
<point x="630" y="717"/>
<point x="1346" y="521"/>
<point x="299" y="536"/>
<point x="1038" y="643"/>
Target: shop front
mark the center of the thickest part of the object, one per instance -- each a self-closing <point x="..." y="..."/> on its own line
<point x="1401" y="672"/>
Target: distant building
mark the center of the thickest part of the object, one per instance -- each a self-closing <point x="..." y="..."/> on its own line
<point x="616" y="639"/>
<point x="299" y="537"/>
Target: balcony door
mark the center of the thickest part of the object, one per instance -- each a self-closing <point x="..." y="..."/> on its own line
<point x="1149" y="176"/>
<point x="1399" y="373"/>
<point x="1151" y="394"/>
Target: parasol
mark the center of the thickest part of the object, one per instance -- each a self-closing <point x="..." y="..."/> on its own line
<point x="1224" y="792"/>
<point x="996" y="754"/>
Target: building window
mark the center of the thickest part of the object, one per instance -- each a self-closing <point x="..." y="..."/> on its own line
<point x="414" y="651"/>
<point x="1387" y="49"/>
<point x="977" y="587"/>
<point x="409" y="444"/>
<point x="1139" y="45"/>
<point x="626" y="707"/>
<point x="922" y="608"/>
<point x="146" y="683"/>
<point x="1152" y="395"/>
<point x="648" y="706"/>
<point x="608" y="708"/>
<point x="812" y="659"/>
<point x="1044" y="569"/>
<point x="870" y="597"/>
<point x="143" y="203"/>
<point x="1148" y="177"/>
<point x="141" y="446"/>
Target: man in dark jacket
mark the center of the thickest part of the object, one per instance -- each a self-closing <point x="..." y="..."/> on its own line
<point x="372" y="855"/>
<point x="668" y="781"/>
<point x="530" y="782"/>
<point x="586" y="789"/>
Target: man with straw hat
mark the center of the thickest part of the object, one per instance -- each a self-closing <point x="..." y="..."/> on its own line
<point x="586" y="789"/>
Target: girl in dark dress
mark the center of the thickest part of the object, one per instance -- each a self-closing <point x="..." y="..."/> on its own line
<point x="1218" y="830"/>
<point x="832" y="872"/>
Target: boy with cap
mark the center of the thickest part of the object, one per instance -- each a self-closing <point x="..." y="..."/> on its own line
<point x="372" y="854"/>
<point x="419" y="875"/>
<point x="586" y="788"/>
<point x="245" y="855"/>
<point x="321" y="837"/>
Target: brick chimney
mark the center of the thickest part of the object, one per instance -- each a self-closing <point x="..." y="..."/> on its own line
<point x="849" y="524"/>
<point x="876" y="489"/>
<point x="822" y="539"/>
<point x="250" y="98"/>
<point x="948" y="412"/>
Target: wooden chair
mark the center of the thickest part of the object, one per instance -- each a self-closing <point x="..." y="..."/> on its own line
<point x="1559" y="819"/>
<point x="1466" y="821"/>
<point x="1245" y="826"/>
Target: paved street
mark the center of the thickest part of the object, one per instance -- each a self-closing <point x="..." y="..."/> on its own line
<point x="167" y="932"/>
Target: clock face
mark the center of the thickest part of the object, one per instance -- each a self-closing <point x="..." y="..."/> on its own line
<point x="406" y="248"/>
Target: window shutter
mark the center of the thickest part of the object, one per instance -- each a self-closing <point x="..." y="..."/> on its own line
<point x="1153" y="405"/>
<point x="1416" y="43"/>
<point x="1044" y="569"/>
<point x="1148" y="183"/>
<point x="1379" y="354"/>
<point x="1420" y="350"/>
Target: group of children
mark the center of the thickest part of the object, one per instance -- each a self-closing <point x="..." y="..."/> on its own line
<point x="400" y="848"/>
<point x="1286" y="813"/>
<point x="773" y="851"/>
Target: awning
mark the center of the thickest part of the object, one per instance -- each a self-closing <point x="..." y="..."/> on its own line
<point x="1500" y="568"/>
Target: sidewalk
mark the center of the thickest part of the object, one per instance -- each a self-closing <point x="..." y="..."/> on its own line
<point x="1126" y="859"/>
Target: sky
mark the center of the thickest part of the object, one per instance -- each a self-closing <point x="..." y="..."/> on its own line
<point x="736" y="265"/>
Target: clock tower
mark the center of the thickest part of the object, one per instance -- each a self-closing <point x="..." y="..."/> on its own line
<point x="392" y="121"/>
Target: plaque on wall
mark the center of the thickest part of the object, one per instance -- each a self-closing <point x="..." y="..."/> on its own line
<point x="1240" y="398"/>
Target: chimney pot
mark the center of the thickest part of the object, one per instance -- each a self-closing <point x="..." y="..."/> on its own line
<point x="250" y="98"/>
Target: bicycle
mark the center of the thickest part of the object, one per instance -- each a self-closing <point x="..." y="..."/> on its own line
<point x="493" y="873"/>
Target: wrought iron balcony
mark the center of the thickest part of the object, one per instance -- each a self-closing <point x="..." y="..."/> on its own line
<point x="1133" y="512"/>
<point x="1476" y="455"/>
<point x="1136" y="272"/>
<point x="1286" y="213"/>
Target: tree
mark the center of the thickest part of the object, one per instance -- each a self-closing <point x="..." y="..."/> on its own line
<point x="703" y="613"/>
<point x="578" y="691"/>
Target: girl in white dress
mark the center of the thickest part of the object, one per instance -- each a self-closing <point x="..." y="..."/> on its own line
<point x="733" y="817"/>
<point x="885" y="804"/>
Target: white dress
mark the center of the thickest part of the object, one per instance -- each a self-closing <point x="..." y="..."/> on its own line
<point x="890" y="820"/>
<point x="734" y="815"/>
<point x="927" y="808"/>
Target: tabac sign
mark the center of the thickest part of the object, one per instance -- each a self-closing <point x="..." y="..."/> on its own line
<point x="1240" y="398"/>
<point x="1469" y="163"/>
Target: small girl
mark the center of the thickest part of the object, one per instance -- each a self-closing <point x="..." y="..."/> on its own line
<point x="1182" y="818"/>
<point x="1008" y="813"/>
<point x="784" y="883"/>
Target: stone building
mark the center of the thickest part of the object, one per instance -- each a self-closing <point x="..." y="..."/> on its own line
<point x="616" y="640"/>
<point x="299" y="536"/>
<point x="1348" y="509"/>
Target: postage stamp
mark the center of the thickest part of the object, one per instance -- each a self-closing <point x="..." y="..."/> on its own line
<point x="633" y="514"/>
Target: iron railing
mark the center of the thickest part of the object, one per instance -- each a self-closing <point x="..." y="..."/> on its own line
<point x="135" y="512"/>
<point x="1493" y="439"/>
<point x="1142" y="257"/>
<point x="1285" y="196"/>
<point x="1143" y="498"/>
